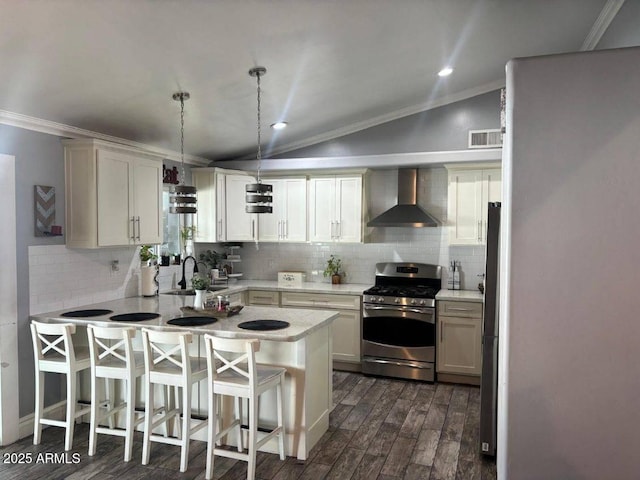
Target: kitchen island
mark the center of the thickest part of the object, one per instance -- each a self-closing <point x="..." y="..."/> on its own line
<point x="304" y="349"/>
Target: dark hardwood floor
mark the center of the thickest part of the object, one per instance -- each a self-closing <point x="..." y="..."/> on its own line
<point x="379" y="429"/>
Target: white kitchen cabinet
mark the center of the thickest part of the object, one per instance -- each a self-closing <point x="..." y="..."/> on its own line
<point x="288" y="222"/>
<point x="209" y="220"/>
<point x="336" y="208"/>
<point x="345" y="329"/>
<point x="459" y="338"/>
<point x="470" y="189"/>
<point x="240" y="225"/>
<point x="221" y="215"/>
<point x="263" y="297"/>
<point x="113" y="195"/>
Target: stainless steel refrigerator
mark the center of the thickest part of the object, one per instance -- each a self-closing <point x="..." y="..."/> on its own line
<point x="489" y="380"/>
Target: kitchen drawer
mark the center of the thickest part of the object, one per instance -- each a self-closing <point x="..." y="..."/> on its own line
<point x="263" y="297"/>
<point x="321" y="300"/>
<point x="460" y="309"/>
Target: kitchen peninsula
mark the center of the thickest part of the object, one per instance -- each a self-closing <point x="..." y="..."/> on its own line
<point x="303" y="348"/>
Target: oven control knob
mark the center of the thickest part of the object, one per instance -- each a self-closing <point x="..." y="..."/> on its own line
<point x="422" y="302"/>
<point x="381" y="299"/>
<point x="397" y="300"/>
<point x="413" y="301"/>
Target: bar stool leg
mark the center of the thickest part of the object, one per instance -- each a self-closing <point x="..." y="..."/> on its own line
<point x="93" y="436"/>
<point x="186" y="424"/>
<point x="37" y="426"/>
<point x="253" y="429"/>
<point x="212" y="432"/>
<point x="130" y="399"/>
<point x="238" y="417"/>
<point x="71" y="410"/>
<point x="148" y="420"/>
<point x="280" y="417"/>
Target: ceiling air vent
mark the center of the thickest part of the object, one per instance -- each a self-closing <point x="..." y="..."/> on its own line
<point x="491" y="138"/>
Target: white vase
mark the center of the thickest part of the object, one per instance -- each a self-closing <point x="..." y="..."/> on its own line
<point x="198" y="302"/>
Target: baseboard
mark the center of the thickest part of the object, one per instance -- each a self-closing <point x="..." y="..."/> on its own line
<point x="347" y="366"/>
<point x="57" y="411"/>
<point x="453" y="378"/>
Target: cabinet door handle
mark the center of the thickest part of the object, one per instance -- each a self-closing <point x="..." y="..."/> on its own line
<point x="133" y="228"/>
<point x="253" y="228"/>
<point x="332" y="235"/>
<point x="459" y="309"/>
<point x="479" y="230"/>
<point x="138" y="222"/>
<point x="441" y="333"/>
<point x="338" y="230"/>
<point x="285" y="225"/>
<point x="220" y="229"/>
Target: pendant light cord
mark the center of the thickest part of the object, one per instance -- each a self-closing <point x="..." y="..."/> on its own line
<point x="259" y="154"/>
<point x="182" y="137"/>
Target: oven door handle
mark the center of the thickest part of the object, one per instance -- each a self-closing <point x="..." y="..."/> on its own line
<point x="399" y="363"/>
<point x="396" y="309"/>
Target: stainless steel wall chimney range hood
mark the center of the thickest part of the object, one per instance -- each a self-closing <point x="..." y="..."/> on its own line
<point x="407" y="213"/>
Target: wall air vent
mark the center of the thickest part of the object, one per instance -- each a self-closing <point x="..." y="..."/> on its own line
<point x="491" y="138"/>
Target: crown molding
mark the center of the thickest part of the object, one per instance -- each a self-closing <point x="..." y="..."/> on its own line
<point x="61" y="130"/>
<point x="387" y="117"/>
<point x="389" y="160"/>
<point x="608" y="13"/>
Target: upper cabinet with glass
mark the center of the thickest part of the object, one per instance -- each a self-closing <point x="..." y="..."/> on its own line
<point x="113" y="195"/>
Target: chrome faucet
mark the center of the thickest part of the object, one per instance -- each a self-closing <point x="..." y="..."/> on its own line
<point x="183" y="282"/>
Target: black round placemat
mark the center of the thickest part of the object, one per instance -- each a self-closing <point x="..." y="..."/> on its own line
<point x="96" y="312"/>
<point x="134" y="317"/>
<point x="192" y="321"/>
<point x="264" y="325"/>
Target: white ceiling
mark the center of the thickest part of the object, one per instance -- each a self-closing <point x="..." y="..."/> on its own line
<point x="111" y="66"/>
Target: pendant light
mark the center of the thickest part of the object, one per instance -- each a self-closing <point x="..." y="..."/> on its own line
<point x="182" y="197"/>
<point x="258" y="195"/>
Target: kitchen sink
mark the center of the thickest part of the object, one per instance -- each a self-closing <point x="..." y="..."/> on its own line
<point x="191" y="291"/>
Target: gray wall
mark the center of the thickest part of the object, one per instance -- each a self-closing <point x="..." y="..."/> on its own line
<point x="440" y="129"/>
<point x="39" y="161"/>
<point x="569" y="313"/>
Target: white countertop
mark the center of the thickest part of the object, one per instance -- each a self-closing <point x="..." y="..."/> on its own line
<point x="307" y="287"/>
<point x="302" y="321"/>
<point x="460" y="295"/>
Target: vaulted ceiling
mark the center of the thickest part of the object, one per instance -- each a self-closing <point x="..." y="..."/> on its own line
<point x="111" y="66"/>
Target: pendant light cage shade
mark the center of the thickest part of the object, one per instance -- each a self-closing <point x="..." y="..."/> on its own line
<point x="258" y="195"/>
<point x="182" y="198"/>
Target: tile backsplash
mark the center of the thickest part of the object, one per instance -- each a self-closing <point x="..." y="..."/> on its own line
<point x="66" y="278"/>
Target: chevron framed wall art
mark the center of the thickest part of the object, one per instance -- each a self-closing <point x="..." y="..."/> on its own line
<point x="45" y="211"/>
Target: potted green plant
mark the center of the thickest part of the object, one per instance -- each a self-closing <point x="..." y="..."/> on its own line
<point x="146" y="255"/>
<point x="200" y="285"/>
<point x="210" y="258"/>
<point x="334" y="269"/>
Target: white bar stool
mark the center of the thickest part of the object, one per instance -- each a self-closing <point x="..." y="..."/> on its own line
<point x="54" y="352"/>
<point x="167" y="362"/>
<point x="114" y="362"/>
<point x="233" y="371"/>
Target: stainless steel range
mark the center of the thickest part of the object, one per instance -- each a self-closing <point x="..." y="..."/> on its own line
<point x="399" y="321"/>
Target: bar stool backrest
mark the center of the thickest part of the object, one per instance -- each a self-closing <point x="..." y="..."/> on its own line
<point x="166" y="355"/>
<point x="232" y="359"/>
<point x="105" y="354"/>
<point x="52" y="344"/>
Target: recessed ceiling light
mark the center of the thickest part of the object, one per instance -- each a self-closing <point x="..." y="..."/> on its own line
<point x="279" y="125"/>
<point x="445" y="72"/>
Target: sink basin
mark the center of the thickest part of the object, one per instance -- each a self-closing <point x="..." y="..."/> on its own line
<point x="191" y="292"/>
<point x="264" y="325"/>
<point x="192" y="321"/>
<point x="97" y="312"/>
<point x="134" y="317"/>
